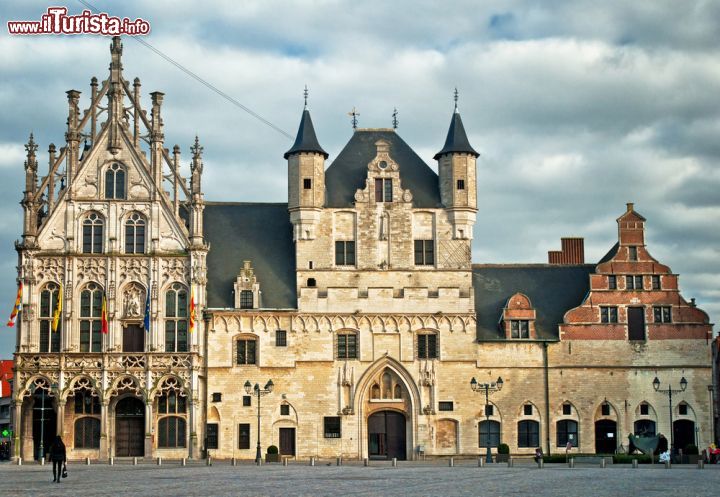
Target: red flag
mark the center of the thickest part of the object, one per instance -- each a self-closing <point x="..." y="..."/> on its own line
<point x="103" y="316"/>
<point x="16" y="308"/>
<point x="192" y="311"/>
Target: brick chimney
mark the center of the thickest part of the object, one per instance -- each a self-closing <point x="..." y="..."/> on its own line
<point x="573" y="252"/>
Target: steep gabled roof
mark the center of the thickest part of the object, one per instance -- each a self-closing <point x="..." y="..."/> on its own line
<point x="348" y="171"/>
<point x="306" y="140"/>
<point x="457" y="140"/>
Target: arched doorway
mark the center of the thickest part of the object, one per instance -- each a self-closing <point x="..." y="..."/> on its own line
<point x="605" y="436"/>
<point x="387" y="435"/>
<point x="44" y="423"/>
<point x="130" y="428"/>
<point x="683" y="433"/>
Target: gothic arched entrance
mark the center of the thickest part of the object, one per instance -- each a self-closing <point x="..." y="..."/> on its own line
<point x="44" y="423"/>
<point x="130" y="428"/>
<point x="683" y="433"/>
<point x="605" y="436"/>
<point x="386" y="435"/>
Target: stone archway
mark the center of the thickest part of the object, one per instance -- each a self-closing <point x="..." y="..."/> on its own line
<point x="129" y="427"/>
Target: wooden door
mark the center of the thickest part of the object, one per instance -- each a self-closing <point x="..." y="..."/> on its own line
<point x="636" y="323"/>
<point x="133" y="338"/>
<point x="605" y="436"/>
<point x="130" y="428"/>
<point x="386" y="435"/>
<point x="287" y="441"/>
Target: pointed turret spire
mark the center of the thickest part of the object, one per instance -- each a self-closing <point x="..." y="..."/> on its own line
<point x="306" y="140"/>
<point x="457" y="140"/>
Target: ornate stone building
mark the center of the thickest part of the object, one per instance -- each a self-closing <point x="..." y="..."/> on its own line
<point x="357" y="298"/>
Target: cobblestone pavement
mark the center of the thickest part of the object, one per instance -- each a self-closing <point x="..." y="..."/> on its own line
<point x="416" y="479"/>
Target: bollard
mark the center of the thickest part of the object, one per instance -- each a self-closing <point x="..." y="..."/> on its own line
<point x="366" y="462"/>
<point x="183" y="462"/>
<point x="285" y="461"/>
<point x="159" y="461"/>
<point x="87" y="461"/>
<point x="481" y="462"/>
<point x="635" y="463"/>
<point x="233" y="461"/>
<point x="571" y="463"/>
<point x="208" y="461"/>
<point x="701" y="464"/>
<point x="134" y="461"/>
<point x="394" y="462"/>
<point x="338" y="461"/>
<point x="19" y="461"/>
<point x="42" y="461"/>
<point x="451" y="462"/>
<point x="510" y="462"/>
<point x="541" y="463"/>
<point x="603" y="463"/>
<point x="312" y="461"/>
<point x="668" y="465"/>
<point x="111" y="461"/>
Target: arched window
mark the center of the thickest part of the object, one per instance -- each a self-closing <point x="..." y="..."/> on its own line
<point x="115" y="182"/>
<point x="49" y="340"/>
<point x="93" y="234"/>
<point x="90" y="319"/>
<point x="492" y="435"/>
<point x="87" y="433"/>
<point x="397" y="393"/>
<point x="528" y="433"/>
<point x="171" y="427"/>
<point x="387" y="386"/>
<point x="135" y="234"/>
<point x="176" y="313"/>
<point x="86" y="403"/>
<point x="567" y="431"/>
<point x="375" y="391"/>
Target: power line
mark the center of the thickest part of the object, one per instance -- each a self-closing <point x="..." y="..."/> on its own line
<point x="201" y="80"/>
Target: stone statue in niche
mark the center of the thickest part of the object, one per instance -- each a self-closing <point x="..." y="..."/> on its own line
<point x="132" y="300"/>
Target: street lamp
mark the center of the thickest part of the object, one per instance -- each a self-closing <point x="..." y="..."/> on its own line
<point x="487" y="388"/>
<point x="258" y="392"/>
<point x="669" y="392"/>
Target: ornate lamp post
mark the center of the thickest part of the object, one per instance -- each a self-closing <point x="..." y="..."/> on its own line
<point x="669" y="392"/>
<point x="487" y="388"/>
<point x="259" y="392"/>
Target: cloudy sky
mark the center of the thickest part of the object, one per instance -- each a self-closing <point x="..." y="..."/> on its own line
<point x="576" y="108"/>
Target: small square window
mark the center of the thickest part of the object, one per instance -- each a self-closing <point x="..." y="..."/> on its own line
<point x="682" y="409"/>
<point x="662" y="314"/>
<point x="656" y="282"/>
<point x="461" y="184"/>
<point x="519" y="329"/>
<point x="445" y="405"/>
<point x="280" y="338"/>
<point x="284" y="409"/>
<point x="307" y="183"/>
<point x="527" y="409"/>
<point x="217" y="397"/>
<point x="331" y="426"/>
<point x="605" y="410"/>
<point x="567" y="409"/>
<point x="644" y="409"/>
<point x="612" y="282"/>
<point x="489" y="410"/>
<point x="247" y="401"/>
<point x="608" y="314"/>
<point x="424" y="252"/>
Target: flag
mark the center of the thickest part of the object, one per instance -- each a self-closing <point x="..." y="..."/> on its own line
<point x="192" y="311"/>
<point x="103" y="316"/>
<point x="58" y="310"/>
<point x="146" y="319"/>
<point x="17" y="307"/>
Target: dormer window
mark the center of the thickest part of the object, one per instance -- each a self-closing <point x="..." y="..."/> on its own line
<point x="518" y="318"/>
<point x="632" y="251"/>
<point x="247" y="288"/>
<point x="383" y="190"/>
<point x="246" y="299"/>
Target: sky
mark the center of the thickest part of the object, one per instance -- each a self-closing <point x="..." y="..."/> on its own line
<point x="575" y="107"/>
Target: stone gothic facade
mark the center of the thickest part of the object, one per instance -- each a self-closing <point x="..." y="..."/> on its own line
<point x="358" y="299"/>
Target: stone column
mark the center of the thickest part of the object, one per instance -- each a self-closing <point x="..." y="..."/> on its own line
<point x="16" y="424"/>
<point x="104" y="446"/>
<point x="148" y="428"/>
<point x="60" y="430"/>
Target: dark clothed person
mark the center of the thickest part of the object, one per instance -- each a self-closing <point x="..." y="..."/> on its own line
<point x="58" y="457"/>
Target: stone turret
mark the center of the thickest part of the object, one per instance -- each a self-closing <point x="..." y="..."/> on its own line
<point x="197" y="204"/>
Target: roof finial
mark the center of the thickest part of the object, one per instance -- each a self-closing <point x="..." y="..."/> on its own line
<point x="196" y="149"/>
<point x="305" y="94"/>
<point x="395" y="119"/>
<point x="456" y="99"/>
<point x="354" y="115"/>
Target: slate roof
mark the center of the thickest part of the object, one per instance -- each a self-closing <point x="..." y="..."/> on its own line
<point x="456" y="140"/>
<point x="611" y="253"/>
<point x="260" y="233"/>
<point x="306" y="139"/>
<point x="348" y="171"/>
<point x="552" y="289"/>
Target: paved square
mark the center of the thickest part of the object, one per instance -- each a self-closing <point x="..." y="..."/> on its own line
<point x="409" y="479"/>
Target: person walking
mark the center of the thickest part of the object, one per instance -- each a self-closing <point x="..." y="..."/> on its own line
<point x="58" y="457"/>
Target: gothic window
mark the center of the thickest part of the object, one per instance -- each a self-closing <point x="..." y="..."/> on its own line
<point x="347" y="345"/>
<point x="91" y="319"/>
<point x="662" y="314"/>
<point x="115" y="182"/>
<point x="427" y="346"/>
<point x="383" y="190"/>
<point x="519" y="328"/>
<point x="397" y="392"/>
<point x="171" y="427"/>
<point x="605" y="409"/>
<point x="491" y="439"/>
<point x="246" y="299"/>
<point x="567" y="431"/>
<point x="284" y="409"/>
<point x="424" y="253"/>
<point x="86" y="403"/>
<point x="566" y="409"/>
<point x="49" y="340"/>
<point x="87" y="433"/>
<point x="644" y="409"/>
<point x="386" y="386"/>
<point x="176" y="323"/>
<point x="246" y="351"/>
<point x="608" y="314"/>
<point x="345" y="253"/>
<point x="527" y="409"/>
<point x="93" y="234"/>
<point x="135" y="234"/>
<point x="528" y="433"/>
<point x="375" y="391"/>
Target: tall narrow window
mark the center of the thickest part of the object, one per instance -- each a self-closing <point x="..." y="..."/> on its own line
<point x="115" y="182"/>
<point x="90" y="319"/>
<point x="176" y="324"/>
<point x="246" y="351"/>
<point x="424" y="253"/>
<point x="632" y="251"/>
<point x="427" y="346"/>
<point x="244" y="436"/>
<point x="135" y="234"/>
<point x="347" y="346"/>
<point x="171" y="427"/>
<point x="93" y="234"/>
<point x="461" y="184"/>
<point x="49" y="340"/>
<point x="519" y="328"/>
<point x="489" y="434"/>
<point x="528" y="433"/>
<point x="383" y="190"/>
<point x="211" y="436"/>
<point x="612" y="282"/>
<point x="87" y="433"/>
<point x="307" y="183"/>
<point x="345" y="253"/>
<point x="567" y="431"/>
<point x="246" y="299"/>
<point x="656" y="282"/>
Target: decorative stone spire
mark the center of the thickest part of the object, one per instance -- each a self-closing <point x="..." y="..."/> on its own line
<point x="30" y="206"/>
<point x="197" y="205"/>
<point x="31" y="166"/>
<point x="196" y="168"/>
<point x="116" y="49"/>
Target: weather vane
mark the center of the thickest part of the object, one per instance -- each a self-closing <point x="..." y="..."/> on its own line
<point x="305" y="93"/>
<point x="354" y="115"/>
<point x="395" y="119"/>
<point x="456" y="99"/>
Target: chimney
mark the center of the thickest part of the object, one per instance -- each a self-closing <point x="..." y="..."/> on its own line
<point x="573" y="252"/>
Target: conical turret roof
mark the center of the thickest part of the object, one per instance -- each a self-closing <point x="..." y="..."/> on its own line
<point x="457" y="140"/>
<point x="306" y="140"/>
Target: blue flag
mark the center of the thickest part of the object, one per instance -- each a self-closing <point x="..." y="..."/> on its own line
<point x="146" y="320"/>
